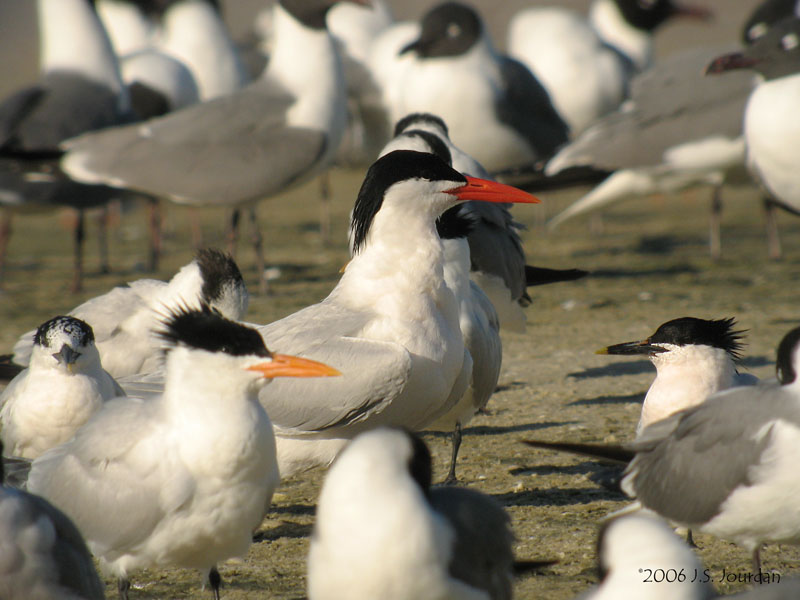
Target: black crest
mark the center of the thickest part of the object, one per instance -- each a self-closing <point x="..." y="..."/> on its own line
<point x="689" y="330"/>
<point x="414" y="118"/>
<point x="449" y="29"/>
<point x="310" y="13"/>
<point x="73" y="327"/>
<point x="786" y="350"/>
<point x="400" y="165"/>
<point x="206" y="329"/>
<point x="434" y="143"/>
<point x="218" y="270"/>
<point x="647" y="15"/>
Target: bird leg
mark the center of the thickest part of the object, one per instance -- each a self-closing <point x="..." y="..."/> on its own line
<point x="233" y="232"/>
<point x="5" y="236"/>
<point x="757" y="560"/>
<point x="77" y="278"/>
<point x="154" y="224"/>
<point x="123" y="585"/>
<point x="715" y="223"/>
<point x="214" y="580"/>
<point x="103" y="217"/>
<point x="690" y="539"/>
<point x="456" y="437"/>
<point x="258" y="248"/>
<point x="773" y="237"/>
<point x="325" y="208"/>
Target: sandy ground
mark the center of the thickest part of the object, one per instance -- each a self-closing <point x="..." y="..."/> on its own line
<point x="649" y="264"/>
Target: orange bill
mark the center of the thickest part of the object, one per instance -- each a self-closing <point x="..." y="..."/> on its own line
<point x="491" y="191"/>
<point x="284" y="365"/>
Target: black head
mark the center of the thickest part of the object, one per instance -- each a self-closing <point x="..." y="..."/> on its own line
<point x="433" y="142"/>
<point x="413" y="118"/>
<point x="453" y="224"/>
<point x="79" y="330"/>
<point x="787" y="349"/>
<point x="774" y="55"/>
<point x="647" y="15"/>
<point x="400" y="165"/>
<point x="310" y="13"/>
<point x="206" y="329"/>
<point x="218" y="270"/>
<point x="765" y="16"/>
<point x="419" y="465"/>
<point x="449" y="29"/>
<point x="689" y="330"/>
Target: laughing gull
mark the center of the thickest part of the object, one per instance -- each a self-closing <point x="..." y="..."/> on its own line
<point x="694" y="358"/>
<point x="183" y="478"/>
<point x="728" y="466"/>
<point x="64" y="385"/>
<point x="382" y="532"/>
<point x="80" y="89"/>
<point x="771" y="123"/>
<point x="240" y="148"/>
<point x="586" y="65"/>
<point x="124" y="318"/>
<point x="495" y="108"/>
<point x="641" y="558"/>
<point x="44" y="555"/>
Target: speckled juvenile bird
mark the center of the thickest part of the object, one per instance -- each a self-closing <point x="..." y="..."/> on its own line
<point x="64" y="385"/>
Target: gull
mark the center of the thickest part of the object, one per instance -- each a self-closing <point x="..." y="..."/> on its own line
<point x="382" y="532"/>
<point x="728" y="466"/>
<point x="183" y="478"/>
<point x="124" y="318"/>
<point x="44" y="554"/>
<point x="64" y="385"/>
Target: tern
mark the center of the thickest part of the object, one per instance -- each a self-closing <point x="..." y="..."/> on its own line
<point x="457" y="74"/>
<point x="586" y="64"/>
<point x="728" y="466"/>
<point x="383" y="532"/>
<point x="64" y="385"/>
<point x="44" y="554"/>
<point x="771" y="123"/>
<point x="183" y="478"/>
<point x="124" y="318"/>
<point x="694" y="358"/>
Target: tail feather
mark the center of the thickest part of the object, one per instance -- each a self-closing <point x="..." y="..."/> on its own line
<point x="544" y="276"/>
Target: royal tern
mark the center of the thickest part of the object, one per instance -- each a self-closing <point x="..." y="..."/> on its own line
<point x="694" y="358"/>
<point x="44" y="555"/>
<point x="64" y="385"/>
<point x="586" y="64"/>
<point x="183" y="478"/>
<point x="383" y="532"/>
<point x="124" y="318"/>
<point x="637" y="550"/>
<point x="728" y="466"/>
<point x="771" y="123"/>
<point x="457" y="74"/>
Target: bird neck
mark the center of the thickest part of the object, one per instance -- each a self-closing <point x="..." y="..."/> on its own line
<point x="609" y="23"/>
<point x="73" y="39"/>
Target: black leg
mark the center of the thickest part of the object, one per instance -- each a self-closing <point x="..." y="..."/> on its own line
<point x="715" y="224"/>
<point x="258" y="248"/>
<point x="77" y="278"/>
<point x="103" y="218"/>
<point x="5" y="236"/>
<point x="690" y="539"/>
<point x="214" y="580"/>
<point x="757" y="560"/>
<point x="451" y="476"/>
<point x="325" y="208"/>
<point x="154" y="226"/>
<point x="123" y="585"/>
<point x="233" y="232"/>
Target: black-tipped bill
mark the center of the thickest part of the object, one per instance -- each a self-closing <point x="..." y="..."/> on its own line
<point x="67" y="355"/>
<point x="284" y="365"/>
<point x="640" y="347"/>
<point x="484" y="190"/>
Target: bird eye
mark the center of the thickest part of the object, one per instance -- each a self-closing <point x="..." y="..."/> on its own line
<point x="756" y="31"/>
<point x="790" y="41"/>
<point x="453" y="30"/>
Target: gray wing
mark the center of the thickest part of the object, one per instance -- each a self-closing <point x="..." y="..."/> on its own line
<point x="485" y="348"/>
<point x="228" y="150"/>
<point x="55" y="561"/>
<point x="482" y="551"/>
<point x="526" y="107"/>
<point x="495" y="247"/>
<point x="113" y="479"/>
<point x="671" y="104"/>
<point x="688" y="464"/>
<point x="373" y="372"/>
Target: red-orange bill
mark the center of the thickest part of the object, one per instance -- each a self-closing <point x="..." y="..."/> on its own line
<point x="284" y="365"/>
<point x="491" y="191"/>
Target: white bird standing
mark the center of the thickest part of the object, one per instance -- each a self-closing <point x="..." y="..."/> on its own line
<point x="728" y="466"/>
<point x="771" y="121"/>
<point x="496" y="110"/>
<point x="44" y="555"/>
<point x="382" y="531"/>
<point x="586" y="64"/>
<point x="183" y="478"/>
<point x="125" y="318"/>
<point x="694" y="358"/>
<point x="64" y="385"/>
